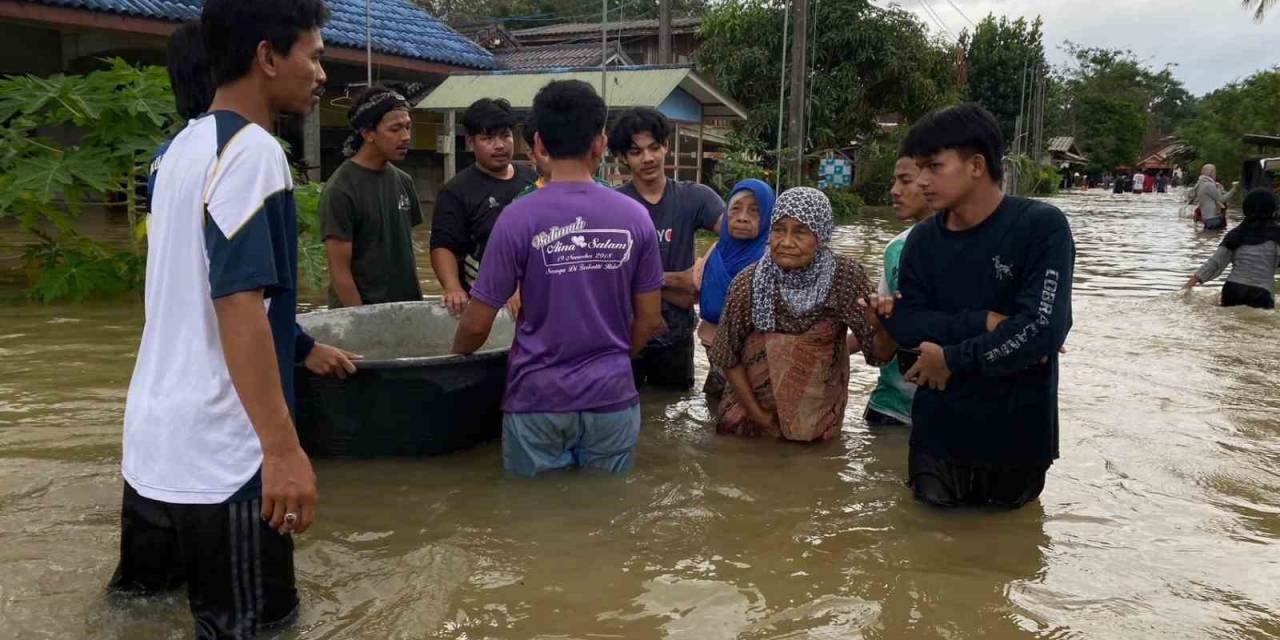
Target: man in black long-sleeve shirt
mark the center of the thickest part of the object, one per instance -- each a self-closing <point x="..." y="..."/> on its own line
<point x="986" y="298"/>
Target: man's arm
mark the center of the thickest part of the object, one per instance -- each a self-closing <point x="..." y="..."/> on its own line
<point x="913" y="322"/>
<point x="445" y="264"/>
<point x="449" y="242"/>
<point x="289" y="484"/>
<point x="497" y="282"/>
<point x="711" y="209"/>
<point x="647" y="320"/>
<point x="679" y="288"/>
<point x="1041" y="318"/>
<point x="337" y="226"/>
<point x="473" y="328"/>
<point x="344" y="284"/>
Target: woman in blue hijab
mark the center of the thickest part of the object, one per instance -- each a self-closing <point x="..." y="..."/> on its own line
<point x="744" y="239"/>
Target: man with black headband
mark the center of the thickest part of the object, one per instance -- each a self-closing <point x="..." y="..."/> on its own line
<point x="471" y="202"/>
<point x="369" y="207"/>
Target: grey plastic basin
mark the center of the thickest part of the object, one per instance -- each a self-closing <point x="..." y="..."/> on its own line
<point x="409" y="397"/>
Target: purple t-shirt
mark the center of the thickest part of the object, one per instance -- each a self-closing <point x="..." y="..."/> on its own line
<point x="579" y="252"/>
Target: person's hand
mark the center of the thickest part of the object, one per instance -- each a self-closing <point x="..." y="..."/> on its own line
<point x="930" y="369"/>
<point x="1191" y="283"/>
<point x="513" y="306"/>
<point x="288" y="490"/>
<point x="456" y="301"/>
<point x="761" y="421"/>
<point x="325" y="360"/>
<point x="876" y="306"/>
<point x="994" y="318"/>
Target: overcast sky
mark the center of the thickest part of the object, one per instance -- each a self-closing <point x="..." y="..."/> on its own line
<point x="1211" y="42"/>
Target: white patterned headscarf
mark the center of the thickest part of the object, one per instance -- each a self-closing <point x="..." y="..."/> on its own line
<point x="803" y="290"/>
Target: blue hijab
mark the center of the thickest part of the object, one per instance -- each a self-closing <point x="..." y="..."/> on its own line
<point x="731" y="255"/>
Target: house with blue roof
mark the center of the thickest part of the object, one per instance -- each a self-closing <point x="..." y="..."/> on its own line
<point x="406" y="45"/>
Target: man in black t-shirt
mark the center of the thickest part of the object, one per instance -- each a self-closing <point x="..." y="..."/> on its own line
<point x="678" y="210"/>
<point x="986" y="299"/>
<point x="369" y="207"/>
<point x="470" y="203"/>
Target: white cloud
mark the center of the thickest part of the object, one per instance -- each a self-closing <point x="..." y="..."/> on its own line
<point x="1210" y="42"/>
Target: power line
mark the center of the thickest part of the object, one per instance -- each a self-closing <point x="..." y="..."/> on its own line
<point x="961" y="12"/>
<point x="936" y="19"/>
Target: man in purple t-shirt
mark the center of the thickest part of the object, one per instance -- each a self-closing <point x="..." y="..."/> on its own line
<point x="587" y="264"/>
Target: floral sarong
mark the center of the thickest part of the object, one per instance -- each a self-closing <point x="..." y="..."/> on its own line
<point x="801" y="379"/>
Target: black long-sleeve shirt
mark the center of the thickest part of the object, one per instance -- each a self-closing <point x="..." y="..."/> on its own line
<point x="1000" y="407"/>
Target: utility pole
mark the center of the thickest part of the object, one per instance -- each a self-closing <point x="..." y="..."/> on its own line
<point x="782" y="95"/>
<point x="664" y="32"/>
<point x="799" y="73"/>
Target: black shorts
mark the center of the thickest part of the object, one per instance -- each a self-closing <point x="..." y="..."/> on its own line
<point x="875" y="418"/>
<point x="1236" y="294"/>
<point x="668" y="367"/>
<point x="237" y="570"/>
<point x="945" y="483"/>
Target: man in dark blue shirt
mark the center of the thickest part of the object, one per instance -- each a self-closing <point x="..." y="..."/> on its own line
<point x="986" y="298"/>
<point x="678" y="210"/>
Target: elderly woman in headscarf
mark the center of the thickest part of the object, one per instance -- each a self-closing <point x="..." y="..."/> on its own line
<point x="782" y="335"/>
<point x="1209" y="199"/>
<point x="744" y="238"/>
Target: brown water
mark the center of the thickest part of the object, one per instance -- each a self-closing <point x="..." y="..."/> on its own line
<point x="1161" y="520"/>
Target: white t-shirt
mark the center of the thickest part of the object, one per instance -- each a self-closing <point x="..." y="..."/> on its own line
<point x="1139" y="181"/>
<point x="222" y="221"/>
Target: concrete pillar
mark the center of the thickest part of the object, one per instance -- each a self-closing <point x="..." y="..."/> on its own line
<point x="676" y="166"/>
<point x="311" y="144"/>
<point x="700" y="132"/>
<point x="447" y="143"/>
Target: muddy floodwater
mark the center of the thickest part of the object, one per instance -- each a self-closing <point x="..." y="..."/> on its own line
<point x="1161" y="519"/>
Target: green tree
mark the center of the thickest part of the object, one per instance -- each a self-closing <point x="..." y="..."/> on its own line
<point x="1115" y="105"/>
<point x="997" y="55"/>
<point x="866" y="62"/>
<point x="73" y="142"/>
<point x="1259" y="7"/>
<point x="1224" y="116"/>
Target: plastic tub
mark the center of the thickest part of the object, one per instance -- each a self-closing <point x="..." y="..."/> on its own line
<point x="409" y="397"/>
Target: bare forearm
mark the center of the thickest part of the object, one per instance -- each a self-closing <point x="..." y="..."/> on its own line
<point x="642" y="331"/>
<point x="473" y="328"/>
<point x="883" y="348"/>
<point x="679" y="282"/>
<point x="250" y="354"/>
<point x="737" y="377"/>
<point x="466" y="342"/>
<point x="344" y="285"/>
<point x="445" y="264"/>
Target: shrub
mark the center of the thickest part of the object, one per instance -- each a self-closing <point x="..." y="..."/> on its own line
<point x="845" y="205"/>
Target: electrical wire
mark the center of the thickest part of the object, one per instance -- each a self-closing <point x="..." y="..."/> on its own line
<point x="937" y="20"/>
<point x="961" y="12"/>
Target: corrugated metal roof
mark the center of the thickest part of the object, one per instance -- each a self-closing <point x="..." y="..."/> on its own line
<point x="575" y="28"/>
<point x="558" y="56"/>
<point x="1061" y="143"/>
<point x="627" y="87"/>
<point x="400" y="28"/>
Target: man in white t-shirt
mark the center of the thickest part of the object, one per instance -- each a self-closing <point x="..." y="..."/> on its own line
<point x="215" y="479"/>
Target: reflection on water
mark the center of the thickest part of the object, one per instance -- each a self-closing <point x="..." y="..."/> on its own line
<point x="1161" y="520"/>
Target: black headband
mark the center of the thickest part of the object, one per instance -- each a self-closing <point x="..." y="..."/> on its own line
<point x="368" y="114"/>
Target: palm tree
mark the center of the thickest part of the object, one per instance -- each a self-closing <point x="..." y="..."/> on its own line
<point x="1259" y="7"/>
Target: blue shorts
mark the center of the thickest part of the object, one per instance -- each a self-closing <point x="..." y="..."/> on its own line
<point x="537" y="442"/>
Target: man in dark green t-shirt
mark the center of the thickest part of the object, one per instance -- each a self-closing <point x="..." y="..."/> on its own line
<point x="369" y="208"/>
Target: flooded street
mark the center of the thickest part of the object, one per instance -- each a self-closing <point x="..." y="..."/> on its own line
<point x="1161" y="519"/>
